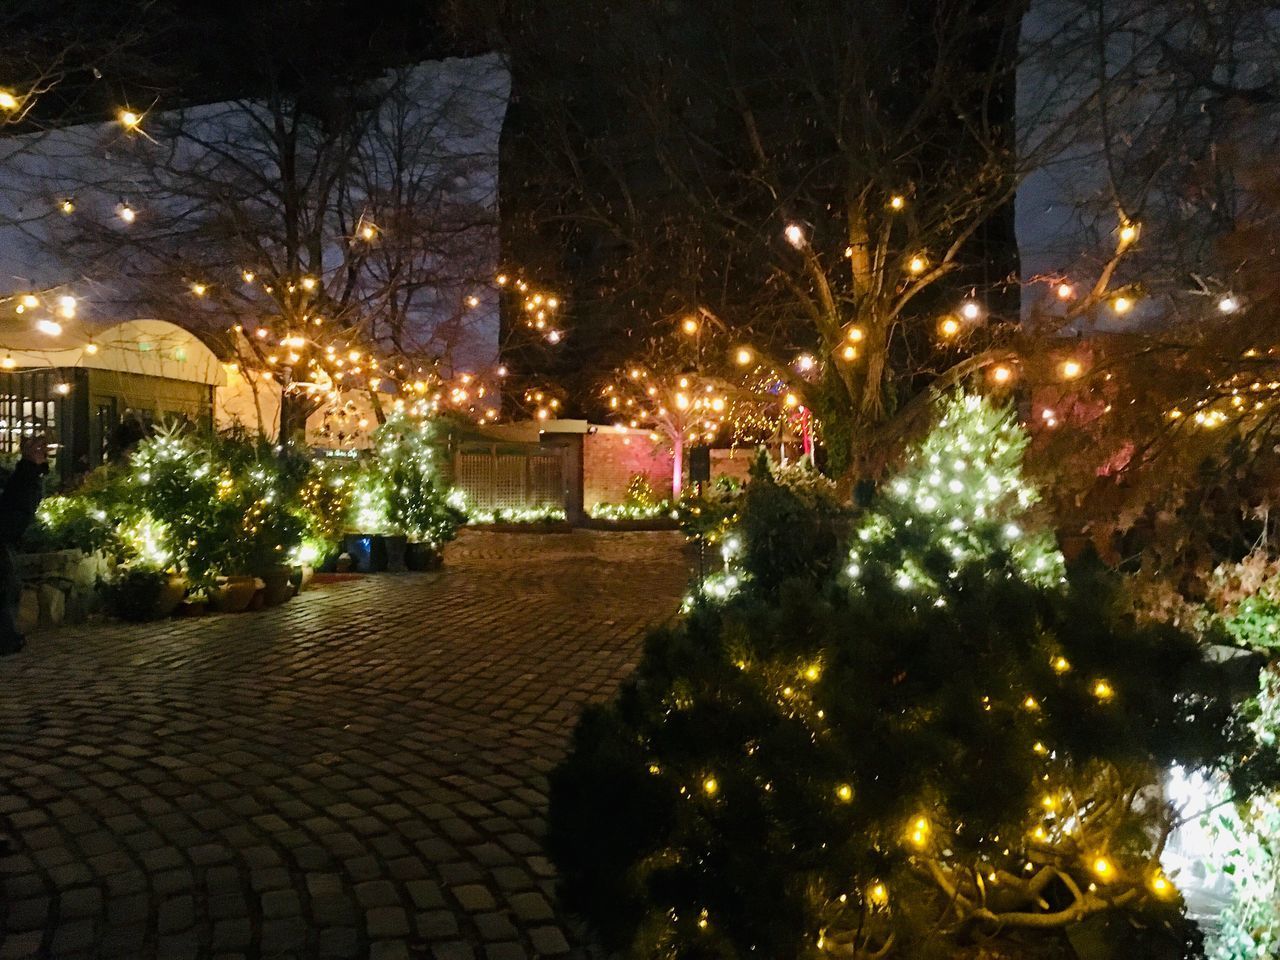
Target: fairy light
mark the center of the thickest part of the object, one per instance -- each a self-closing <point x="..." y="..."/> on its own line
<point x="1103" y="868"/>
<point x="50" y="328"/>
<point x="856" y="334"/>
<point x="742" y="357"/>
<point x="247" y="276"/>
<point x="67" y="206"/>
<point x="126" y="213"/>
<point x="949" y="326"/>
<point x="795" y="235"/>
<point x="897" y="202"/>
<point x="199" y="289"/>
<point x="1060" y="664"/>
<point x="29" y="301"/>
<point x="128" y="119"/>
<point x="308" y="283"/>
<point x="1001" y="374"/>
<point x="1228" y="304"/>
<point x="805" y="362"/>
<point x="91" y="348"/>
<point x="1071" y="369"/>
<point x="849" y="353"/>
<point x="67" y="307"/>
<point x="844" y="793"/>
<point x="878" y="894"/>
<point x="917" y="264"/>
<point x="8" y="101"/>
<point x="710" y="786"/>
<point x="368" y="232"/>
<point x="689" y="326"/>
<point x="971" y="310"/>
<point x="1122" y="304"/>
<point x="1103" y="690"/>
<point x="1065" y="291"/>
<point x="1128" y="233"/>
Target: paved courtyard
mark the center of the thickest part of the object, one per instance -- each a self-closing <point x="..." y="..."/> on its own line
<point x="359" y="773"/>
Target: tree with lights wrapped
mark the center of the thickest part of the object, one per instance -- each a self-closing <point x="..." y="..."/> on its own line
<point x="941" y="745"/>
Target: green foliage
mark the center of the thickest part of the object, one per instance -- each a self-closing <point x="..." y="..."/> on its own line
<point x="712" y="513"/>
<point x="826" y="762"/>
<point x="640" y="493"/>
<point x="401" y="491"/>
<point x="69" y="523"/>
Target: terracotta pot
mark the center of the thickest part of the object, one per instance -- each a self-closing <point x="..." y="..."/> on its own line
<point x="233" y="594"/>
<point x="192" y="608"/>
<point x="171" y="595"/>
<point x="276" y="586"/>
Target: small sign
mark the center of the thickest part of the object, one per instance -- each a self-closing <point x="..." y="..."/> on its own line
<point x="700" y="464"/>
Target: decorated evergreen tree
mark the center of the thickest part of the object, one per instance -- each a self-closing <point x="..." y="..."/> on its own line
<point x="948" y="741"/>
<point x="402" y="490"/>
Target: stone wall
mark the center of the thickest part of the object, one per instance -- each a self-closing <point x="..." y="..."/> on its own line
<point x="58" y="587"/>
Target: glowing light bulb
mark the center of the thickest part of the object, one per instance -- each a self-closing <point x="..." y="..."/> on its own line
<point x="128" y="119"/>
<point x="308" y="283"/>
<point x="473" y="301"/>
<point x="1160" y="885"/>
<point x="91" y="348"/>
<point x="949" y="326"/>
<point x="844" y="793"/>
<point x="67" y="307"/>
<point x="1039" y="748"/>
<point x="849" y="353"/>
<point x="689" y="326"/>
<point x="743" y="356"/>
<point x="791" y="400"/>
<point x="126" y="213"/>
<point x="1122" y="304"/>
<point x="199" y="289"/>
<point x="917" y="264"/>
<point x="1128" y="234"/>
<point x="1060" y="664"/>
<point x="1001" y="373"/>
<point x="1031" y="703"/>
<point x="1103" y="868"/>
<point x="855" y="334"/>
<point x="50" y="328"/>
<point x="878" y="894"/>
<point x="1103" y="690"/>
<point x="8" y="101"/>
<point x="1228" y="304"/>
<point x="30" y="300"/>
<point x="1071" y="369"/>
<point x="8" y="362"/>
<point x="63" y="388"/>
<point x="248" y="276"/>
<point x="805" y="363"/>
<point x="368" y="232"/>
<point x="795" y="235"/>
<point x="1065" y="291"/>
<point x="67" y="206"/>
<point x="710" y="786"/>
<point x="897" y="202"/>
<point x="812" y="672"/>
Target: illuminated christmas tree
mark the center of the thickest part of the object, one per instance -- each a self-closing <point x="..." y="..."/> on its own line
<point x="950" y="741"/>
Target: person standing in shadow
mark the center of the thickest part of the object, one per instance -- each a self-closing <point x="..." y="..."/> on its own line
<point x="18" y="502"/>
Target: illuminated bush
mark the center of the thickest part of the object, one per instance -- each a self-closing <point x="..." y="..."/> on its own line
<point x="948" y="739"/>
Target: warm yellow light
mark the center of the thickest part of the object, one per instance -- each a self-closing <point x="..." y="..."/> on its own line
<point x="689" y="326"/>
<point x="1071" y="369"/>
<point x="199" y="289"/>
<point x="8" y="101"/>
<point x="844" y="793"/>
<point x="849" y="353"/>
<point x="1031" y="703"/>
<point x="63" y="388"/>
<point x="1160" y="885"/>
<point x="897" y="202"/>
<point x="743" y="356"/>
<point x="791" y="400"/>
<point x="552" y="302"/>
<point x="128" y="119"/>
<point x="501" y="279"/>
<point x="8" y="362"/>
<point x="949" y="326"/>
<point x="30" y="300"/>
<point x="1001" y="373"/>
<point x="919" y="833"/>
<point x="1039" y="748"/>
<point x="127" y="213"/>
<point x="1128" y="233"/>
<point x="1103" y="690"/>
<point x="878" y="894"/>
<point x="1060" y="664"/>
<point x="812" y="672"/>
<point x="1049" y="801"/>
<point x="855" y="334"/>
<point x="91" y="348"/>
<point x="1122" y="304"/>
<point x="50" y="328"/>
<point x="1103" y="868"/>
<point x="805" y="362"/>
<point x="368" y="231"/>
<point x="917" y="264"/>
<point x="710" y="786"/>
<point x="682" y="401"/>
<point x="67" y="206"/>
<point x="543" y="413"/>
<point x="248" y="276"/>
<point x="1065" y="291"/>
<point x="308" y="283"/>
<point x="795" y="235"/>
<point x="473" y="301"/>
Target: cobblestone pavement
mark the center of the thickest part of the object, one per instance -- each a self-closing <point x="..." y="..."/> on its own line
<point x="359" y="773"/>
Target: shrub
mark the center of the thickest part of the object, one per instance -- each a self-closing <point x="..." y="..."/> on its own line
<point x="945" y="740"/>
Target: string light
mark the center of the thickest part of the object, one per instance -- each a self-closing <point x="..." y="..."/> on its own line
<point x="949" y="326"/>
<point x="49" y="328"/>
<point x="199" y="289"/>
<point x="1128" y="233"/>
<point x="897" y="202"/>
<point x="1071" y="369"/>
<point x="1121" y="304"/>
<point x="689" y="326"/>
<point x="126" y="213"/>
<point x="971" y="310"/>
<point x="1001" y="373"/>
<point x="917" y="264"/>
<point x="67" y="206"/>
<point x="795" y="235"/>
<point x="710" y="786"/>
<point x="1065" y="291"/>
<point x="1103" y="690"/>
<point x="1228" y="304"/>
<point x="128" y="119"/>
<point x="743" y="356"/>
<point x="8" y="101"/>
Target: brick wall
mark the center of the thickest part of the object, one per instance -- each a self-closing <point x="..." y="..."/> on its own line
<point x="611" y="457"/>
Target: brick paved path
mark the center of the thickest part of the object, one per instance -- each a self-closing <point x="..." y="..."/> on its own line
<point x="359" y="773"/>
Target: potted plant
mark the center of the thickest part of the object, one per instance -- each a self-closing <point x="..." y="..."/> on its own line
<point x="140" y="593"/>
